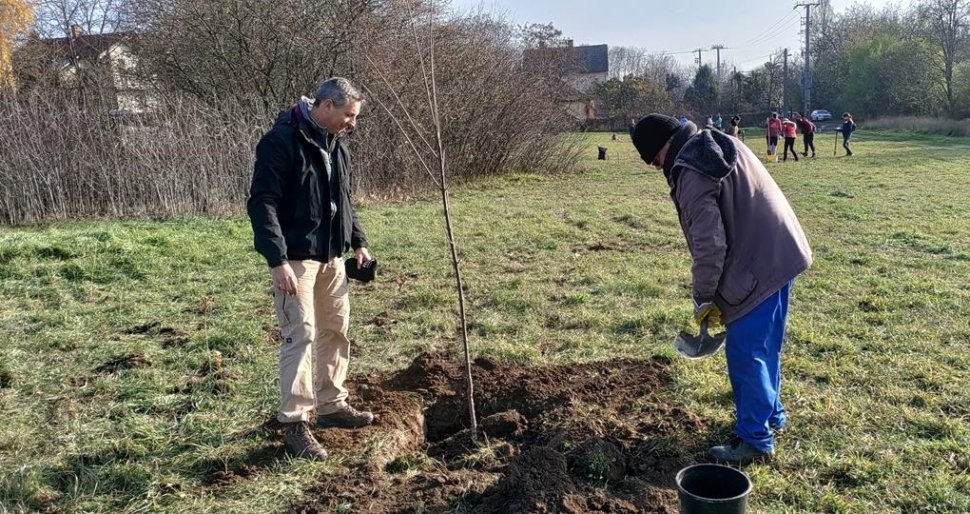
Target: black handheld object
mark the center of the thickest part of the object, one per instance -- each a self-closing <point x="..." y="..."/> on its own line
<point x="365" y="273"/>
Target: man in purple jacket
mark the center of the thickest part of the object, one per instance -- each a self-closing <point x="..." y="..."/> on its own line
<point x="747" y="247"/>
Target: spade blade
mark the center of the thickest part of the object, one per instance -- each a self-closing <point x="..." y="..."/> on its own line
<point x="699" y="346"/>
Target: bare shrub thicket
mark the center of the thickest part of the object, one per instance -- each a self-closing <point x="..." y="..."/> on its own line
<point x="254" y="54"/>
<point x="223" y="70"/>
<point x="72" y="159"/>
<point x="498" y="115"/>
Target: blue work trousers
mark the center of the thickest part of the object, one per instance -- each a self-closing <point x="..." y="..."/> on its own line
<point x="753" y="350"/>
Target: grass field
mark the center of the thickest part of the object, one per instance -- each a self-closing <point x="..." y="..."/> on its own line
<point x="138" y="358"/>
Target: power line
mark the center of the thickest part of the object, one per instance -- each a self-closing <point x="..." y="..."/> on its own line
<point x="783" y="24"/>
<point x="768" y="36"/>
<point x="785" y="18"/>
<point x="764" y="57"/>
<point x="764" y="36"/>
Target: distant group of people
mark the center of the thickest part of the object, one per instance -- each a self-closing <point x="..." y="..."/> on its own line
<point x="777" y="127"/>
<point x="733" y="127"/>
<point x="716" y="122"/>
<point x="785" y="127"/>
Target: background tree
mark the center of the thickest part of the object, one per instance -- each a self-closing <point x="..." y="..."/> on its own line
<point x="755" y="90"/>
<point x="701" y="95"/>
<point x="632" y="97"/>
<point x="891" y="61"/>
<point x="633" y="61"/>
<point x="56" y="17"/>
<point x="539" y="35"/>
<point x="250" y="53"/>
<point x="946" y="25"/>
<point x="673" y="82"/>
<point x="638" y="62"/>
<point x="893" y="76"/>
<point x="626" y="61"/>
<point x="961" y="90"/>
<point x="15" y="19"/>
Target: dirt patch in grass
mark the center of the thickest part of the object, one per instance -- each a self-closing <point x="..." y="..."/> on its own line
<point x="607" y="247"/>
<point x="171" y="337"/>
<point x="598" y="437"/>
<point x="129" y="361"/>
<point x="144" y="328"/>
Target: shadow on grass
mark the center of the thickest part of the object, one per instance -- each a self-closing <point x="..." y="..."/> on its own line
<point x="121" y="475"/>
<point x="116" y="476"/>
<point x="219" y="474"/>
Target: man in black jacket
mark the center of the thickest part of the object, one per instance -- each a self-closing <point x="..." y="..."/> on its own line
<point x="303" y="223"/>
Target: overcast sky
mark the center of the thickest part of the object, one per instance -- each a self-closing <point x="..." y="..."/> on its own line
<point x="751" y="30"/>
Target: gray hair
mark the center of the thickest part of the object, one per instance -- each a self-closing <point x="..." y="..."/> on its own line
<point x="338" y="89"/>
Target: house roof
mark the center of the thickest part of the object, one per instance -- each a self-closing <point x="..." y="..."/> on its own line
<point x="586" y="59"/>
<point x="593" y="59"/>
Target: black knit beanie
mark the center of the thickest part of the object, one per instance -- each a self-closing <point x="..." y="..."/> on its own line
<point x="652" y="133"/>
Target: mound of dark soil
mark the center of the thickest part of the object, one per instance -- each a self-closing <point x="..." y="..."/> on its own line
<point x="599" y="437"/>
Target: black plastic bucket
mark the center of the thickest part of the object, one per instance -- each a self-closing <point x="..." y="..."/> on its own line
<point x="713" y="489"/>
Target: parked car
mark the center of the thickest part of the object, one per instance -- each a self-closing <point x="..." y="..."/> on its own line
<point x="821" y="115"/>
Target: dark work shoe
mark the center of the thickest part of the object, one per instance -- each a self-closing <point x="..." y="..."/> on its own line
<point x="300" y="442"/>
<point x="740" y="451"/>
<point x="347" y="417"/>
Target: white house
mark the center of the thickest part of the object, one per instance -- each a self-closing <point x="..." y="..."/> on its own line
<point x="102" y="63"/>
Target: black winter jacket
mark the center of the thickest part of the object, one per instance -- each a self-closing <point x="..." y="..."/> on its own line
<point x="289" y="201"/>
<point x="848" y="127"/>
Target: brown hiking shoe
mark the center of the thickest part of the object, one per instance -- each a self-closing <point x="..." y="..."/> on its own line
<point x="299" y="441"/>
<point x="347" y="417"/>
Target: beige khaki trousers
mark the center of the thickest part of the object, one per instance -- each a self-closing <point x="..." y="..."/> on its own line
<point x="315" y="351"/>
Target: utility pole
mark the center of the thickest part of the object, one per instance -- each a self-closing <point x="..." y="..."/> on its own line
<point x="718" y="47"/>
<point x="697" y="60"/>
<point x="770" y="67"/>
<point x="807" y="72"/>
<point x="784" y="80"/>
<point x="737" y="88"/>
